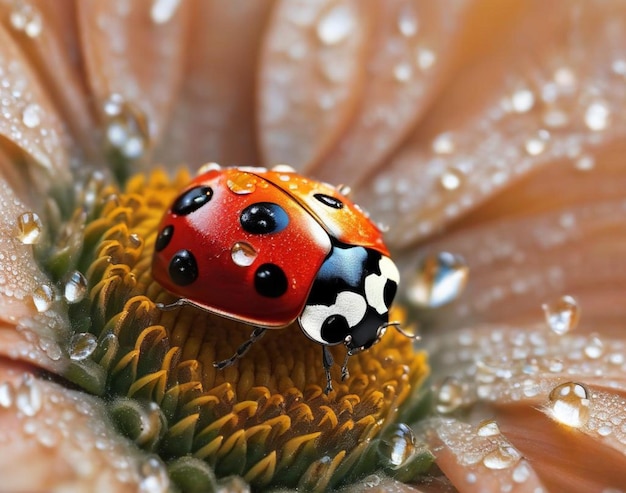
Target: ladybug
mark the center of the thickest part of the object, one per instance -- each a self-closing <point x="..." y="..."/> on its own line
<point x="268" y="247"/>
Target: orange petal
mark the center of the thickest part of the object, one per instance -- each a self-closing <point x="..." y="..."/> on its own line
<point x="411" y="50"/>
<point x="46" y="32"/>
<point x="214" y="117"/>
<point x="312" y="69"/>
<point x="56" y="439"/>
<point x="29" y="124"/>
<point x="134" y="50"/>
<point x="554" y="96"/>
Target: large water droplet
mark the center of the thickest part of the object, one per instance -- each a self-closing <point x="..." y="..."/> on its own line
<point x="126" y="128"/>
<point x="163" y="10"/>
<point x="569" y="404"/>
<point x="243" y="254"/>
<point x="242" y="184"/>
<point x="31" y="115"/>
<point x="503" y="457"/>
<point x="75" y="287"/>
<point x="153" y="476"/>
<point x="43" y="297"/>
<point x="336" y="24"/>
<point x="29" y="228"/>
<point x="440" y="279"/>
<point x="397" y="445"/>
<point x="28" y="397"/>
<point x="27" y="19"/>
<point x="562" y="315"/>
<point x="82" y="345"/>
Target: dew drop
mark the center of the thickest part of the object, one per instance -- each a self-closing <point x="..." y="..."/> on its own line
<point x="336" y="25"/>
<point x="503" y="457"/>
<point x="243" y="254"/>
<point x="594" y="348"/>
<point x="43" y="297"/>
<point x="619" y="66"/>
<point x="562" y="315"/>
<point x="597" y="116"/>
<point x="425" y="58"/>
<point x="29" y="228"/>
<point x="205" y="168"/>
<point x="126" y="127"/>
<point x="344" y="190"/>
<point x="7" y="394"/>
<point x="451" y="179"/>
<point x="163" y="10"/>
<point x="31" y="115"/>
<point x="522" y="100"/>
<point x="407" y="21"/>
<point x="569" y="404"/>
<point x="585" y="163"/>
<point x="440" y="278"/>
<point x="27" y="19"/>
<point x="28" y="397"/>
<point x="397" y="445"/>
<point x="535" y="146"/>
<point x="450" y="396"/>
<point x="488" y="428"/>
<point x="402" y="72"/>
<point x="82" y="345"/>
<point x="521" y="473"/>
<point x="153" y="476"/>
<point x="75" y="287"/>
<point x="241" y="184"/>
<point x="443" y="144"/>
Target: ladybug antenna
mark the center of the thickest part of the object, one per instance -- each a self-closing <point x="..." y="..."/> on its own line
<point x="409" y="331"/>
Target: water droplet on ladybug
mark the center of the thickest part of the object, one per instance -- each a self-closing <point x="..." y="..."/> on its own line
<point x="243" y="254"/>
<point x="205" y="168"/>
<point x="241" y="184"/>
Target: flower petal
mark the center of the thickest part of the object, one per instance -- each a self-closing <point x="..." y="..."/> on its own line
<point x="134" y="50"/>
<point x="29" y="125"/>
<point x="529" y="106"/>
<point x="410" y="53"/>
<point x="57" y="439"/>
<point x="47" y="34"/>
<point x="311" y="72"/>
<point x="214" y="117"/>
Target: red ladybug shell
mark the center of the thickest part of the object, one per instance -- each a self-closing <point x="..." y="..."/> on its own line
<point x="215" y="247"/>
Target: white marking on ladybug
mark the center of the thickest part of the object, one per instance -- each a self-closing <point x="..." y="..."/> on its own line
<point x="375" y="284"/>
<point x="350" y="305"/>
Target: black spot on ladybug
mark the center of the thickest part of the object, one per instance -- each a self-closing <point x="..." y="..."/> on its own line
<point x="390" y="292"/>
<point x="270" y="281"/>
<point x="263" y="218"/>
<point x="164" y="238"/>
<point x="335" y="329"/>
<point x="329" y="201"/>
<point x="192" y="200"/>
<point x="183" y="268"/>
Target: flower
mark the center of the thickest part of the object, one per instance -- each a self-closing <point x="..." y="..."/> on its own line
<point x="453" y="122"/>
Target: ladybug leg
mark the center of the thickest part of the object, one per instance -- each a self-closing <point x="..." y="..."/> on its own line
<point x="344" y="368"/>
<point x="257" y="333"/>
<point x="327" y="361"/>
<point x="166" y="307"/>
